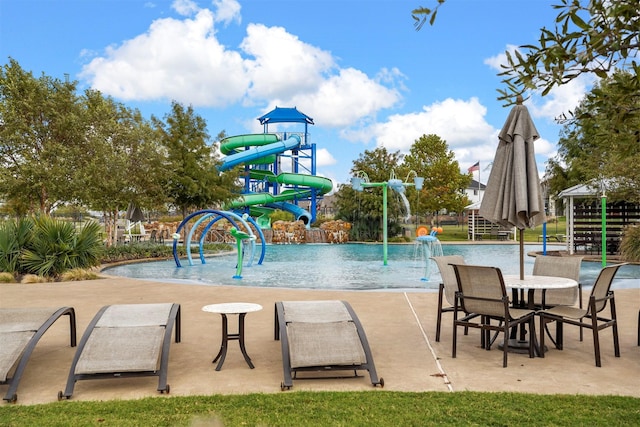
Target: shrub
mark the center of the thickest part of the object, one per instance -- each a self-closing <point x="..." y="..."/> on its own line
<point x="77" y="274"/>
<point x="48" y="247"/>
<point x="630" y="245"/>
<point x="279" y="215"/>
<point x="147" y="250"/>
<point x="34" y="278"/>
<point x="7" y="278"/>
<point x="14" y="237"/>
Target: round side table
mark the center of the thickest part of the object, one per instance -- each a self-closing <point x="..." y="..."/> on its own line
<point x="224" y="309"/>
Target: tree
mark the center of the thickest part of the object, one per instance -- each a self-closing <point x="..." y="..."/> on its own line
<point x="121" y="162"/>
<point x="40" y="133"/>
<point x="590" y="37"/>
<point x="596" y="146"/>
<point x="444" y="185"/>
<point x="192" y="178"/>
<point x="364" y="209"/>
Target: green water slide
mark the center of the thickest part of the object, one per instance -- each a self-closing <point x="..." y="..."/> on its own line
<point x="263" y="149"/>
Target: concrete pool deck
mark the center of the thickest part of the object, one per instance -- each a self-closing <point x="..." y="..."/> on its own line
<point x="400" y="328"/>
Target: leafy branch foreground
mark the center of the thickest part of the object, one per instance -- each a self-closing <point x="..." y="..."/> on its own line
<point x="379" y="408"/>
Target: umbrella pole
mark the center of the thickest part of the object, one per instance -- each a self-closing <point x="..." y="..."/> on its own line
<point x="521" y="253"/>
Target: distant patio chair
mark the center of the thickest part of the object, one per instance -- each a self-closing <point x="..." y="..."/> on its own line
<point x="448" y="286"/>
<point x="555" y="266"/>
<point x="601" y="293"/>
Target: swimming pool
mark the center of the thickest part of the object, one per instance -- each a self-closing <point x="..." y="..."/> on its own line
<point x="351" y="266"/>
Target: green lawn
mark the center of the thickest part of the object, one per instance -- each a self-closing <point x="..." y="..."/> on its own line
<point x="370" y="408"/>
<point x="453" y="233"/>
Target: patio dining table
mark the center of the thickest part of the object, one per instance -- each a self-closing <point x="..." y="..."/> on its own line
<point x="530" y="283"/>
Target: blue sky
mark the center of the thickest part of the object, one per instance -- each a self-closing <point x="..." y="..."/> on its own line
<point x="357" y="67"/>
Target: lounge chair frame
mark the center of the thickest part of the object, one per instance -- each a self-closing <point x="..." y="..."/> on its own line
<point x="13" y="381"/>
<point x="290" y="373"/>
<point x="161" y="372"/>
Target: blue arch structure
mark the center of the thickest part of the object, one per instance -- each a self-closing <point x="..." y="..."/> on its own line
<point x="213" y="216"/>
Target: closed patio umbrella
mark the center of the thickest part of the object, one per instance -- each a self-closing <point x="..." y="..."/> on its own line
<point x="134" y="213"/>
<point x="513" y="196"/>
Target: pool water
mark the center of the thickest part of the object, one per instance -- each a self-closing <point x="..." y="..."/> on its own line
<point x="350" y="266"/>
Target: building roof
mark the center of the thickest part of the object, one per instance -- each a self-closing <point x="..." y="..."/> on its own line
<point x="475" y="185"/>
<point x="285" y="115"/>
<point x="581" y="190"/>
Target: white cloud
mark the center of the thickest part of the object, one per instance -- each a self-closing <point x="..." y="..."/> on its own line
<point x="544" y="148"/>
<point x="345" y="98"/>
<point x="182" y="60"/>
<point x="561" y="99"/>
<point x="227" y="11"/>
<point x="174" y="60"/>
<point x="283" y="65"/>
<point x="460" y="123"/>
<point x="500" y="59"/>
<point x="324" y="158"/>
<point x="185" y="7"/>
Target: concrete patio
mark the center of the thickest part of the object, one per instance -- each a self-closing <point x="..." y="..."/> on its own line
<point x="400" y="327"/>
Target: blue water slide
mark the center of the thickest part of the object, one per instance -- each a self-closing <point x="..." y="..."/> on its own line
<point x="255" y="153"/>
<point x="299" y="213"/>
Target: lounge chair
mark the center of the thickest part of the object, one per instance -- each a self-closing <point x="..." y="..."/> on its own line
<point x="448" y="286"/>
<point x="482" y="293"/>
<point x="20" y="331"/>
<point x="601" y="294"/>
<point x="321" y="336"/>
<point x="126" y="340"/>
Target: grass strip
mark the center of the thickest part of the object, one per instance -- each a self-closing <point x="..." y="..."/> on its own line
<point x="379" y="408"/>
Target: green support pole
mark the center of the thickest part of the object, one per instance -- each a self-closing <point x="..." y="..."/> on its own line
<point x="604" y="230"/>
<point x="384" y="225"/>
<point x="360" y="185"/>
<point x="239" y="236"/>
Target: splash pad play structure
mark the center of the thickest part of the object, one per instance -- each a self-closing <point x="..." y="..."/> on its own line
<point x="208" y="218"/>
<point x="427" y="246"/>
<point x="280" y="169"/>
<point x="280" y="173"/>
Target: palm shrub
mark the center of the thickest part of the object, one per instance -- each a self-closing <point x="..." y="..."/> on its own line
<point x="630" y="245"/>
<point x="14" y="237"/>
<point x="56" y="247"/>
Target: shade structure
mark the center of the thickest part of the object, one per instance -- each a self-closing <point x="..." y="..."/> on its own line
<point x="513" y="196"/>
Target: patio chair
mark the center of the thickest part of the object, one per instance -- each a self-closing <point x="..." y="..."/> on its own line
<point x="601" y="293"/>
<point x="321" y="336"/>
<point x="448" y="286"/>
<point x="568" y="267"/>
<point x="481" y="292"/>
<point x="20" y="331"/>
<point x="126" y="340"/>
<point x="556" y="266"/>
